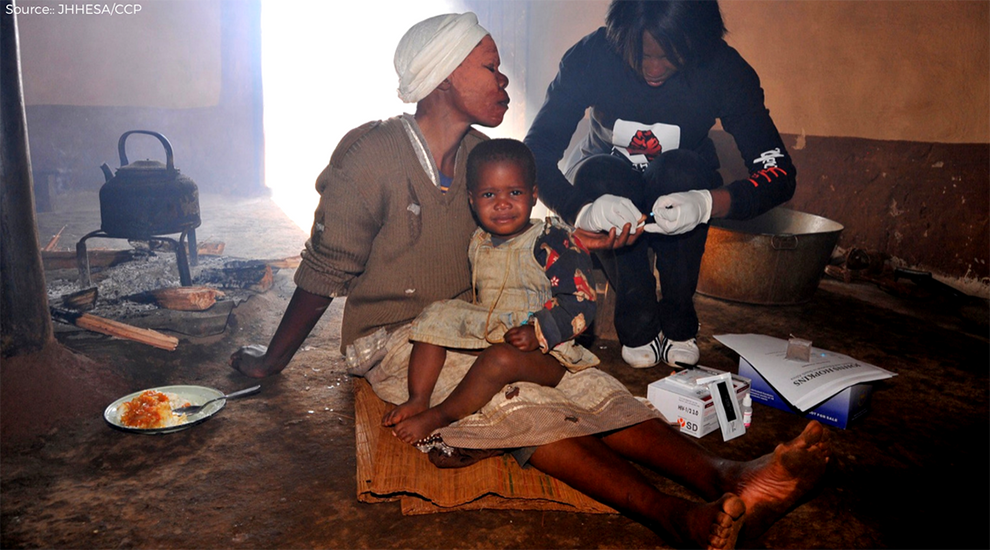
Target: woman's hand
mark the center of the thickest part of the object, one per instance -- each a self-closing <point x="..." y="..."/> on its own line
<point x="250" y="361"/>
<point x="679" y="213"/>
<point x="522" y="338"/>
<point x="304" y="310"/>
<point x="597" y="241"/>
<point x="607" y="212"/>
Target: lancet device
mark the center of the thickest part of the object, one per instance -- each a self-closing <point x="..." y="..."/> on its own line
<point x="730" y="418"/>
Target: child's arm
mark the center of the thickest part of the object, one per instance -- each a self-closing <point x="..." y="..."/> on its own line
<point x="568" y="266"/>
<point x="523" y="338"/>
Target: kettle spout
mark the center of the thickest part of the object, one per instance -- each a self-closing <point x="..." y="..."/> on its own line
<point x="106" y="171"/>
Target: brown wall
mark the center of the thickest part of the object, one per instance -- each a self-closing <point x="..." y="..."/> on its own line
<point x="897" y="70"/>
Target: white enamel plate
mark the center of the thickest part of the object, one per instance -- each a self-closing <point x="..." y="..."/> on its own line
<point x="195" y="395"/>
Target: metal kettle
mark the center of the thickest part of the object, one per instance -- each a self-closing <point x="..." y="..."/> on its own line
<point x="146" y="198"/>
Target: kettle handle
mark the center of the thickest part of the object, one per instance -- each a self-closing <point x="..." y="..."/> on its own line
<point x="169" y="163"/>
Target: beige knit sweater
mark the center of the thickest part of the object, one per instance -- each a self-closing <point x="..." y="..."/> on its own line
<point x="384" y="235"/>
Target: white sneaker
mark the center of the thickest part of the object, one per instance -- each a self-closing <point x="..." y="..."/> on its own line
<point x="645" y="356"/>
<point x="679" y="354"/>
<point x="675" y="353"/>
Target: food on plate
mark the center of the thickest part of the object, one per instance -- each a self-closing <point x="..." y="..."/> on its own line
<point x="151" y="409"/>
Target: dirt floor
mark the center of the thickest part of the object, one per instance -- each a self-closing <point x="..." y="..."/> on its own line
<point x="277" y="469"/>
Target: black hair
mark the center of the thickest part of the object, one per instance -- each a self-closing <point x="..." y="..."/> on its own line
<point x="687" y="30"/>
<point x="500" y="150"/>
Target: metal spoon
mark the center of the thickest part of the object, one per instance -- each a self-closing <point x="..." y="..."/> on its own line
<point x="193" y="409"/>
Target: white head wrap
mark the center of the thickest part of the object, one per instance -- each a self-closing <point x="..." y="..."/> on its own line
<point x="432" y="49"/>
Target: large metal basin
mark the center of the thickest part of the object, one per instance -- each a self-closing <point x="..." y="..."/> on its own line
<point x="777" y="258"/>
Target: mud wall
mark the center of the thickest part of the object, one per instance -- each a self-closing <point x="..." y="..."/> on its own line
<point x="886" y="107"/>
<point x="189" y="70"/>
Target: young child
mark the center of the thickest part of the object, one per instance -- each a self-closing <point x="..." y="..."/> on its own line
<point x="533" y="295"/>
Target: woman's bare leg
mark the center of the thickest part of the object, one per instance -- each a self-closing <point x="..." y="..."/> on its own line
<point x="497" y="366"/>
<point x="769" y="485"/>
<point x="589" y="465"/>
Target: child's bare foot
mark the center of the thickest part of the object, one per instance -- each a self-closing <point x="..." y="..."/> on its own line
<point x="410" y="408"/>
<point x="772" y="484"/>
<point x="715" y="525"/>
<point x="417" y="427"/>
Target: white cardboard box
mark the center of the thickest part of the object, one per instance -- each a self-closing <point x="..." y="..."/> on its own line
<point x="680" y="400"/>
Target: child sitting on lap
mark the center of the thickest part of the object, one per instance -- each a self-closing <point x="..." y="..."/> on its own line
<point x="533" y="296"/>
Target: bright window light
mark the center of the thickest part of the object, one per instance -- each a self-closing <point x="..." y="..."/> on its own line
<point x="327" y="68"/>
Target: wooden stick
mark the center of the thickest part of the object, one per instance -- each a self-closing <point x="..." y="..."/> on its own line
<point x="285" y="263"/>
<point x="208" y="248"/>
<point x="118" y="329"/>
<point x="52" y="243"/>
<point x="130" y="332"/>
<point x="64" y="259"/>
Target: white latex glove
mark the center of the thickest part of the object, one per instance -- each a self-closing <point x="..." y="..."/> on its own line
<point x="606" y="212"/>
<point x="678" y="213"/>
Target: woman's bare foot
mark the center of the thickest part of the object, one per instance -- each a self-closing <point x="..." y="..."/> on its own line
<point x="772" y="484"/>
<point x="410" y="408"/>
<point x="417" y="427"/>
<point x="715" y="525"/>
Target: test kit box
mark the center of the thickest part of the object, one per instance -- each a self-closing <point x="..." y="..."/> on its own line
<point x="680" y="399"/>
<point x="839" y="410"/>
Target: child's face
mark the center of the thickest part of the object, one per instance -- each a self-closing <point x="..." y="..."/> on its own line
<point x="502" y="199"/>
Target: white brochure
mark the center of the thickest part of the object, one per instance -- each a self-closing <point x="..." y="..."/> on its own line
<point x="803" y="384"/>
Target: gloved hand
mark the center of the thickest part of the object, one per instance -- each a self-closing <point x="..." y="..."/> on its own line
<point x="606" y="212"/>
<point x="678" y="213"/>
